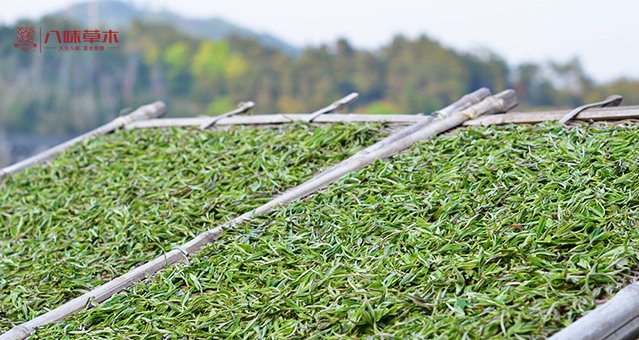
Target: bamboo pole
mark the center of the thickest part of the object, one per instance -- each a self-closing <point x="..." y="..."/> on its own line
<point x="616" y="319"/>
<point x="611" y="101"/>
<point x="144" y="112"/>
<point x="241" y="108"/>
<point x="105" y="291"/>
<point x="334" y="106"/>
<point x="462" y="104"/>
<point x="499" y="103"/>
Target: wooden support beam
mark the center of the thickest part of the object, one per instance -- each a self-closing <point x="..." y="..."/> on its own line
<point x="595" y="114"/>
<point x="280" y="118"/>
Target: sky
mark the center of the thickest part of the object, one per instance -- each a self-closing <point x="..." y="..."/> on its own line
<point x="602" y="34"/>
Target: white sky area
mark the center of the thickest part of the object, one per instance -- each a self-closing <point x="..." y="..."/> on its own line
<point x="603" y="34"/>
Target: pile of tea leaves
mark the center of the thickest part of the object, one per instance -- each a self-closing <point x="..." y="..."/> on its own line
<point x="112" y="203"/>
<point x="490" y="232"/>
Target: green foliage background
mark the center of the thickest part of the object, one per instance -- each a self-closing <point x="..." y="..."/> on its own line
<point x="69" y="92"/>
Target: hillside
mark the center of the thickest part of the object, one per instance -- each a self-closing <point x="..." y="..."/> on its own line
<point x="121" y="14"/>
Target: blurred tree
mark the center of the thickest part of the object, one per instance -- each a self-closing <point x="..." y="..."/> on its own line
<point x="177" y="60"/>
<point x="235" y="67"/>
<point x="486" y="69"/>
<point x="380" y="107"/>
<point x="219" y="106"/>
<point x="211" y="58"/>
<point x="627" y="88"/>
<point x="532" y="86"/>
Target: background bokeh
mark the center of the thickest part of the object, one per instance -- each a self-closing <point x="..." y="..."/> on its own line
<point x="203" y="64"/>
